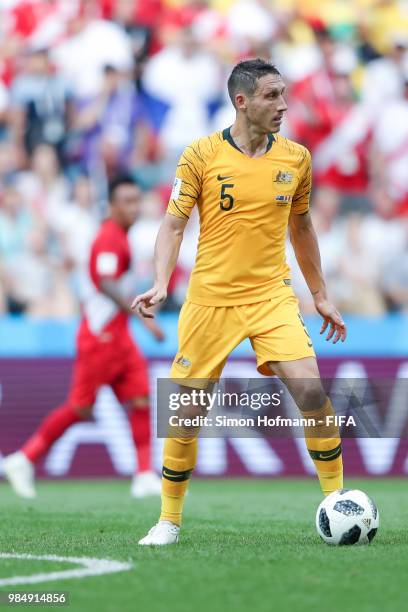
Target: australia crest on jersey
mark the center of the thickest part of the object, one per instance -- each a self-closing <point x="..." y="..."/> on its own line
<point x="283" y="177"/>
<point x="182" y="361"/>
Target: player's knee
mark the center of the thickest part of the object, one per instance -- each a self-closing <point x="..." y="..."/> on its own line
<point x="310" y="395"/>
<point x="84" y="412"/>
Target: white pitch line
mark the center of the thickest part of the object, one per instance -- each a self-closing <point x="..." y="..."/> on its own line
<point x="90" y="567"/>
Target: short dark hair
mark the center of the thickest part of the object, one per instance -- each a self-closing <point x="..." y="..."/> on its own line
<point x="118" y="181"/>
<point x="245" y="75"/>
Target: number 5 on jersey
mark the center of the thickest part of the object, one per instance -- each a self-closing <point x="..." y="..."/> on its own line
<point x="227" y="201"/>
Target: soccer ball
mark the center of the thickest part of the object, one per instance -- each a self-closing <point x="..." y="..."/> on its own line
<point x="347" y="516"/>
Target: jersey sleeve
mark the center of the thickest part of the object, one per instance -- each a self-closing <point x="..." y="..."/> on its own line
<point x="108" y="260"/>
<point x="188" y="182"/>
<point x="300" y="201"/>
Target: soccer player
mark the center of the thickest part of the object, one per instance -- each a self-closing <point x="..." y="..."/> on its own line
<point x="250" y="184"/>
<point x="106" y="353"/>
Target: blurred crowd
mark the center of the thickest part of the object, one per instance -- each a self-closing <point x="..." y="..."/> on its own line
<point x="90" y="88"/>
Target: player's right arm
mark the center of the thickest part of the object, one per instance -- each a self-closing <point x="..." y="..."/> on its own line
<point x="185" y="193"/>
<point x="166" y="252"/>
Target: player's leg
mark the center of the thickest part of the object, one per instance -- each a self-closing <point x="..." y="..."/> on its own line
<point x="322" y="439"/>
<point x="145" y="482"/>
<point x="131" y="387"/>
<point x="283" y="347"/>
<point x="179" y="460"/>
<point x="19" y="467"/>
<point x="139" y="417"/>
<point x="53" y="427"/>
<point x="206" y="337"/>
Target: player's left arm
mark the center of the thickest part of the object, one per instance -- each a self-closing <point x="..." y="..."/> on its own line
<point x="304" y="241"/>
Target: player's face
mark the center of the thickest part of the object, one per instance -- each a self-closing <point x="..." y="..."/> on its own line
<point x="266" y="107"/>
<point x="125" y="205"/>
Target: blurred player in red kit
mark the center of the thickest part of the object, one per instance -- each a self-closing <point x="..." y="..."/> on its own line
<point x="106" y="353"/>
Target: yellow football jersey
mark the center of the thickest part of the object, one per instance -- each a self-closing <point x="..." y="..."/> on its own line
<point x="244" y="205"/>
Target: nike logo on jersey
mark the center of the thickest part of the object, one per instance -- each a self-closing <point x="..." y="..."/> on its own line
<point x="223" y="178"/>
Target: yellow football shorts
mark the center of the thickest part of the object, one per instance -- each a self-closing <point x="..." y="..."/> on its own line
<point x="208" y="334"/>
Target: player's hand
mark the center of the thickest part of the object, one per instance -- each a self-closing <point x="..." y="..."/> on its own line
<point x="332" y="319"/>
<point x="146" y="300"/>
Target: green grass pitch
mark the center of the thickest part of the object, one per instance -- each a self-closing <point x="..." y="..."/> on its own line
<point x="246" y="545"/>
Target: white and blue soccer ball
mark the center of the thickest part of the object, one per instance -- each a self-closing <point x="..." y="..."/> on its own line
<point x="347" y="516"/>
